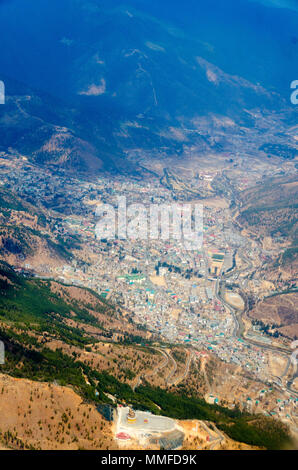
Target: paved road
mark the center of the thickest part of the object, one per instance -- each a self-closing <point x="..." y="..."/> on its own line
<point x="155" y="370"/>
<point x="214" y="441"/>
<point x="239" y="327"/>
<point x="167" y="359"/>
<point x="186" y="370"/>
<point x="173" y="371"/>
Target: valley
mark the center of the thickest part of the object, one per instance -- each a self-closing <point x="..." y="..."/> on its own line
<point x="148" y="313"/>
<point x="148" y="225"/>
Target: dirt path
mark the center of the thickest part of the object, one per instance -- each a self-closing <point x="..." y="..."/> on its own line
<point x="186" y="370"/>
<point x="159" y="367"/>
<point x="214" y="440"/>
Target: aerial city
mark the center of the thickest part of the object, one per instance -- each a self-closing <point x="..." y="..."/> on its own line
<point x="148" y="227"/>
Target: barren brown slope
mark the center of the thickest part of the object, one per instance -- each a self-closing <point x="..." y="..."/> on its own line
<point x="35" y="415"/>
<point x="280" y="311"/>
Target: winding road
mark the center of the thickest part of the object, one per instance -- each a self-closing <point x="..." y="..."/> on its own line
<point x="239" y="329"/>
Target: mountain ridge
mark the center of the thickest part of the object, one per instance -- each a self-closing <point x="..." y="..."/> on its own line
<point x="128" y="79"/>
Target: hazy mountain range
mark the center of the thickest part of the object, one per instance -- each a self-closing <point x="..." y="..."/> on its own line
<point x="95" y="84"/>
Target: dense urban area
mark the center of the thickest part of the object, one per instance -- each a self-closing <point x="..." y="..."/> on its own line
<point x="199" y="299"/>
